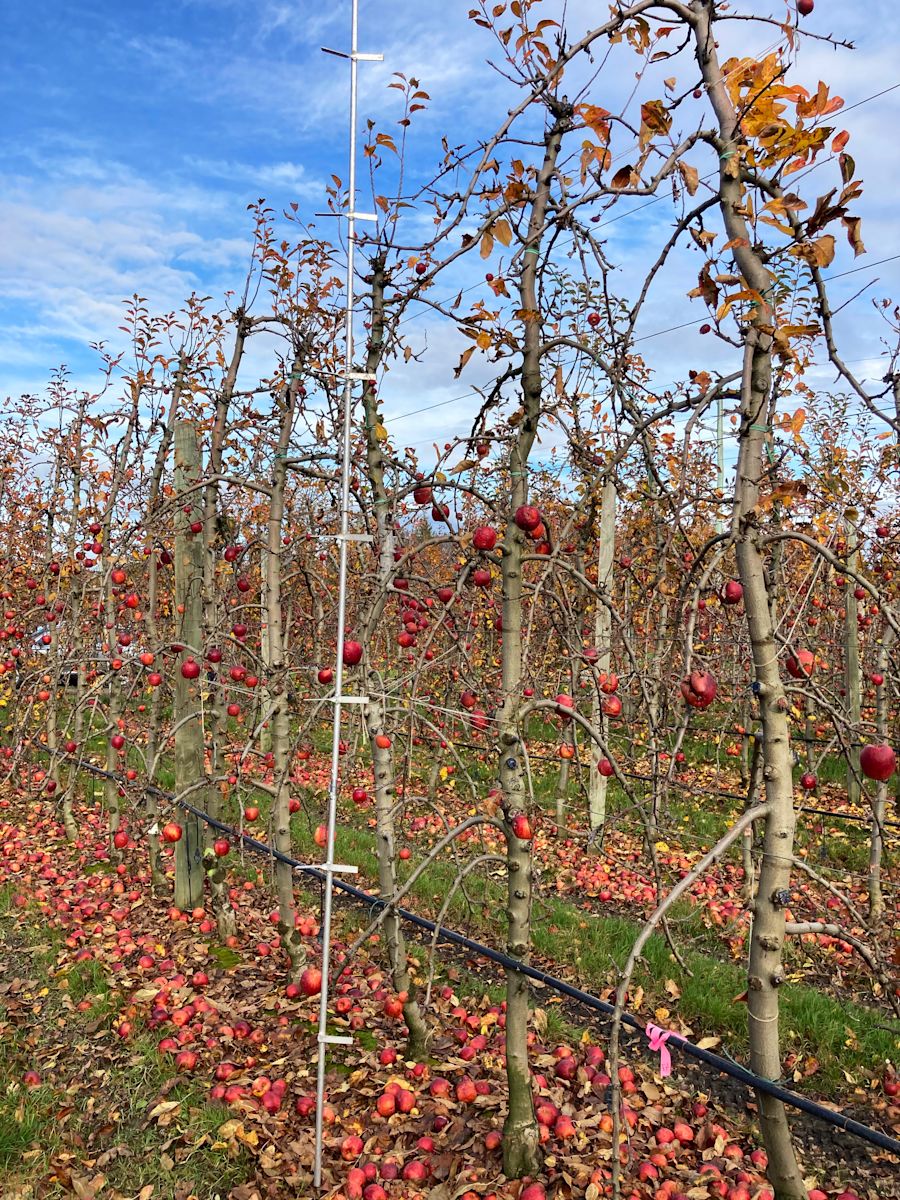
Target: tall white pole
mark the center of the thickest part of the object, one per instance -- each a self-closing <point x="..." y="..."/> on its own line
<point x="345" y="537"/>
<point x="720" y="457"/>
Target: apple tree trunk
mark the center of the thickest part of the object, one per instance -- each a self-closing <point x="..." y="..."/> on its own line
<point x="597" y="784"/>
<point x="852" y="684"/>
<point x="521" y="1142"/>
<point x="374" y="714"/>
<point x="277" y="683"/>
<point x="766" y="972"/>
<point x="188" y="718"/>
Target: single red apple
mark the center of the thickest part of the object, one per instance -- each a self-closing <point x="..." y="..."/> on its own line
<point x="484" y="537"/>
<point x="311" y="981"/>
<point x="353" y="653"/>
<point x="878" y="762"/>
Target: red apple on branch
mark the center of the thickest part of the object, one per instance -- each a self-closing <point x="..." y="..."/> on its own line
<point x="527" y="517"/>
<point x="699" y="689"/>
<point x="878" y="762"/>
<point x="353" y="653"/>
<point x="801" y="664"/>
<point x="484" y="537"/>
<point x="521" y="827"/>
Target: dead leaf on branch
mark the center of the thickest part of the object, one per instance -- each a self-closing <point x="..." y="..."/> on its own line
<point x="703" y="237"/>
<point x="655" y="120"/>
<point x="465" y="464"/>
<point x="691" y="177"/>
<point x="622" y="178"/>
<point x="852" y="225"/>
<point x="706" y="287"/>
<point x="464" y="358"/>
<point x="819" y="253"/>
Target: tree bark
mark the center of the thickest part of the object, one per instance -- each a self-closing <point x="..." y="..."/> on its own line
<point x="597" y="783"/>
<point x="277" y="683"/>
<point x="188" y="717"/>
<point x="212" y="607"/>
<point x="562" y="791"/>
<point x="521" y="1145"/>
<point x="373" y="714"/>
<point x="879" y="808"/>
<point x="116" y="703"/>
<point x="766" y="974"/>
<point x="853" y="698"/>
<point x="155" y="724"/>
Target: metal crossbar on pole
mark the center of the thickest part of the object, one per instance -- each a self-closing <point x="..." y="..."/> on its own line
<point x="329" y="867"/>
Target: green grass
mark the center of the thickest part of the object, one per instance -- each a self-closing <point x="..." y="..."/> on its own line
<point x="126" y="1084"/>
<point x="87" y="980"/>
<point x="595" y="948"/>
<point x="832" y="769"/>
<point x="844" y="1037"/>
<point x="137" y="1083"/>
<point x="25" y="1122"/>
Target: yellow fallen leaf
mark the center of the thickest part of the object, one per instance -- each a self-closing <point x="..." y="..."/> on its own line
<point x="164" y="1108"/>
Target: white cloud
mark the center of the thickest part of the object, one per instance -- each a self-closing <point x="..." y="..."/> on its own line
<point x="287" y="178"/>
<point x="84" y="229"/>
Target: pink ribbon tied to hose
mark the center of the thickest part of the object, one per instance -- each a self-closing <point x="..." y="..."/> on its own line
<point x="657" y="1038"/>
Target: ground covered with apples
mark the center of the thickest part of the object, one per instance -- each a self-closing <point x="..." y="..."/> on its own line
<point x="144" y="1059"/>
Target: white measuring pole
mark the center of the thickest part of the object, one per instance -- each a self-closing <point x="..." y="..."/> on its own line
<point x="330" y="867"/>
<point x="720" y="458"/>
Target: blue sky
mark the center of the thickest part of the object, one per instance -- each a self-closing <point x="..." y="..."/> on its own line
<point x="136" y="134"/>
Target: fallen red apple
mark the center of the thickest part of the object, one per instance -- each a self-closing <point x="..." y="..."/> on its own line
<point x="311" y="981"/>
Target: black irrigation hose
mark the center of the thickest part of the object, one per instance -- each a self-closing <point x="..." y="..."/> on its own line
<point x="723" y="1065"/>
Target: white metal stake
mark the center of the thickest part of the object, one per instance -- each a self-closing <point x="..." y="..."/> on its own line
<point x="720" y="457"/>
<point x="329" y="867"/>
